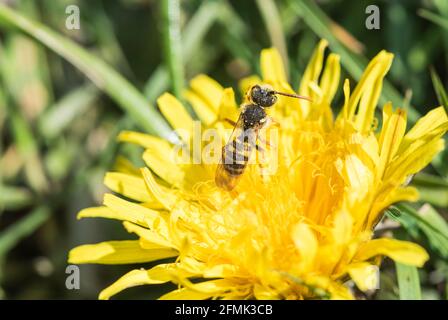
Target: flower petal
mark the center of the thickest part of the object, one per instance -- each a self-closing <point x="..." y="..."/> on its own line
<point x="130" y="211"/>
<point x="204" y="111"/>
<point x="185" y="294"/>
<point x="118" y="252"/>
<point x="149" y="237"/>
<point x="368" y="90"/>
<point x="392" y="133"/>
<point x="272" y="69"/>
<point x="401" y="251"/>
<point x="331" y="76"/>
<point x="176" y="114"/>
<point x="427" y="124"/>
<point x="156" y="275"/>
<point x="159" y="193"/>
<point x="306" y="243"/>
<point x="246" y="83"/>
<point x="210" y="90"/>
<point x="130" y="186"/>
<point x="228" y="108"/>
<point x="313" y="70"/>
<point x="365" y="275"/>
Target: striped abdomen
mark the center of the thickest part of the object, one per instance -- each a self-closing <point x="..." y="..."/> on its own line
<point x="236" y="153"/>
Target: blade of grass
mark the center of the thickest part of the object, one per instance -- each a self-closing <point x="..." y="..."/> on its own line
<point x="408" y="282"/>
<point x="106" y="78"/>
<point x="434" y="18"/>
<point x="428" y="220"/>
<point x="13" y="198"/>
<point x="192" y="35"/>
<point x="273" y="24"/>
<point x="432" y="189"/>
<point x="22" y="229"/>
<point x="62" y="113"/>
<point x="442" y="96"/>
<point x="170" y="10"/>
<point x="440" y="162"/>
<point x="316" y="19"/>
<point x="28" y="149"/>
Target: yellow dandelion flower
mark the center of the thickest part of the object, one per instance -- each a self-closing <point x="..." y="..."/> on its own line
<point x="300" y="233"/>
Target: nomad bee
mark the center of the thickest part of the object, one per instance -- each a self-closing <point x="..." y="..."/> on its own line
<point x="237" y="151"/>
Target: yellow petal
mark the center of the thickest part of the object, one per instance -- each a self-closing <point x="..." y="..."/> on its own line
<point x="130" y="186"/>
<point x="342" y="228"/>
<point x="130" y="211"/>
<point x="365" y="275"/>
<point x="345" y="112"/>
<point x="175" y="113"/>
<point x="162" y="164"/>
<point x="149" y="237"/>
<point x="118" y="252"/>
<point x="313" y="69"/>
<point x="392" y="133"/>
<point x="228" y="108"/>
<point x="208" y="89"/>
<point x="145" y="140"/>
<point x="306" y="243"/>
<point x="272" y="69"/>
<point x="401" y="251"/>
<point x="415" y="158"/>
<point x="159" y="155"/>
<point x="330" y="77"/>
<point x="156" y="275"/>
<point x="98" y="212"/>
<point x="389" y="196"/>
<point x="185" y="294"/>
<point x="159" y="193"/>
<point x="125" y="166"/>
<point x="368" y="90"/>
<point x="427" y="124"/>
<point x="204" y="111"/>
<point x="246" y="83"/>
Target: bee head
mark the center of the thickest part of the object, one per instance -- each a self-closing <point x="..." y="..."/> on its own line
<point x="263" y="96"/>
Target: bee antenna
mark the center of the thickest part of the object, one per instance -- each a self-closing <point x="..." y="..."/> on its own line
<point x="292" y="95"/>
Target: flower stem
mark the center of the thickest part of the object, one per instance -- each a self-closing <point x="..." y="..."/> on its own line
<point x="172" y="44"/>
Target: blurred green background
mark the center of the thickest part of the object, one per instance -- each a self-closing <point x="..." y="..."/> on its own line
<point x="58" y="129"/>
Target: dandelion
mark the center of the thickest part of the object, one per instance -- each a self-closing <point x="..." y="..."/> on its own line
<point x="301" y="233"/>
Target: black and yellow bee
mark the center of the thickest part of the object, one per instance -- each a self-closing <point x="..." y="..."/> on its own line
<point x="244" y="138"/>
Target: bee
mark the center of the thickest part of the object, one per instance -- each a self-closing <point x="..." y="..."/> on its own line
<point x="253" y="117"/>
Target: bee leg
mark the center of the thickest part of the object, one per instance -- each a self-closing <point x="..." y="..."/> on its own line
<point x="262" y="161"/>
<point x="231" y="122"/>
<point x="266" y="143"/>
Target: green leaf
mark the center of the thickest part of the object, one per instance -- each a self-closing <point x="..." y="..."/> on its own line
<point x="62" y="113"/>
<point x="22" y="229"/>
<point x="428" y="221"/>
<point x="408" y="282"/>
<point x="273" y="23"/>
<point x="106" y="78"/>
<point x="442" y="96"/>
<point x="12" y="198"/>
<point x="172" y="44"/>
<point x="192" y="36"/>
<point x="432" y="189"/>
<point x="434" y="18"/>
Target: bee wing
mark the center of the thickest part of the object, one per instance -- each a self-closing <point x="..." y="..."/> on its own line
<point x="222" y="178"/>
